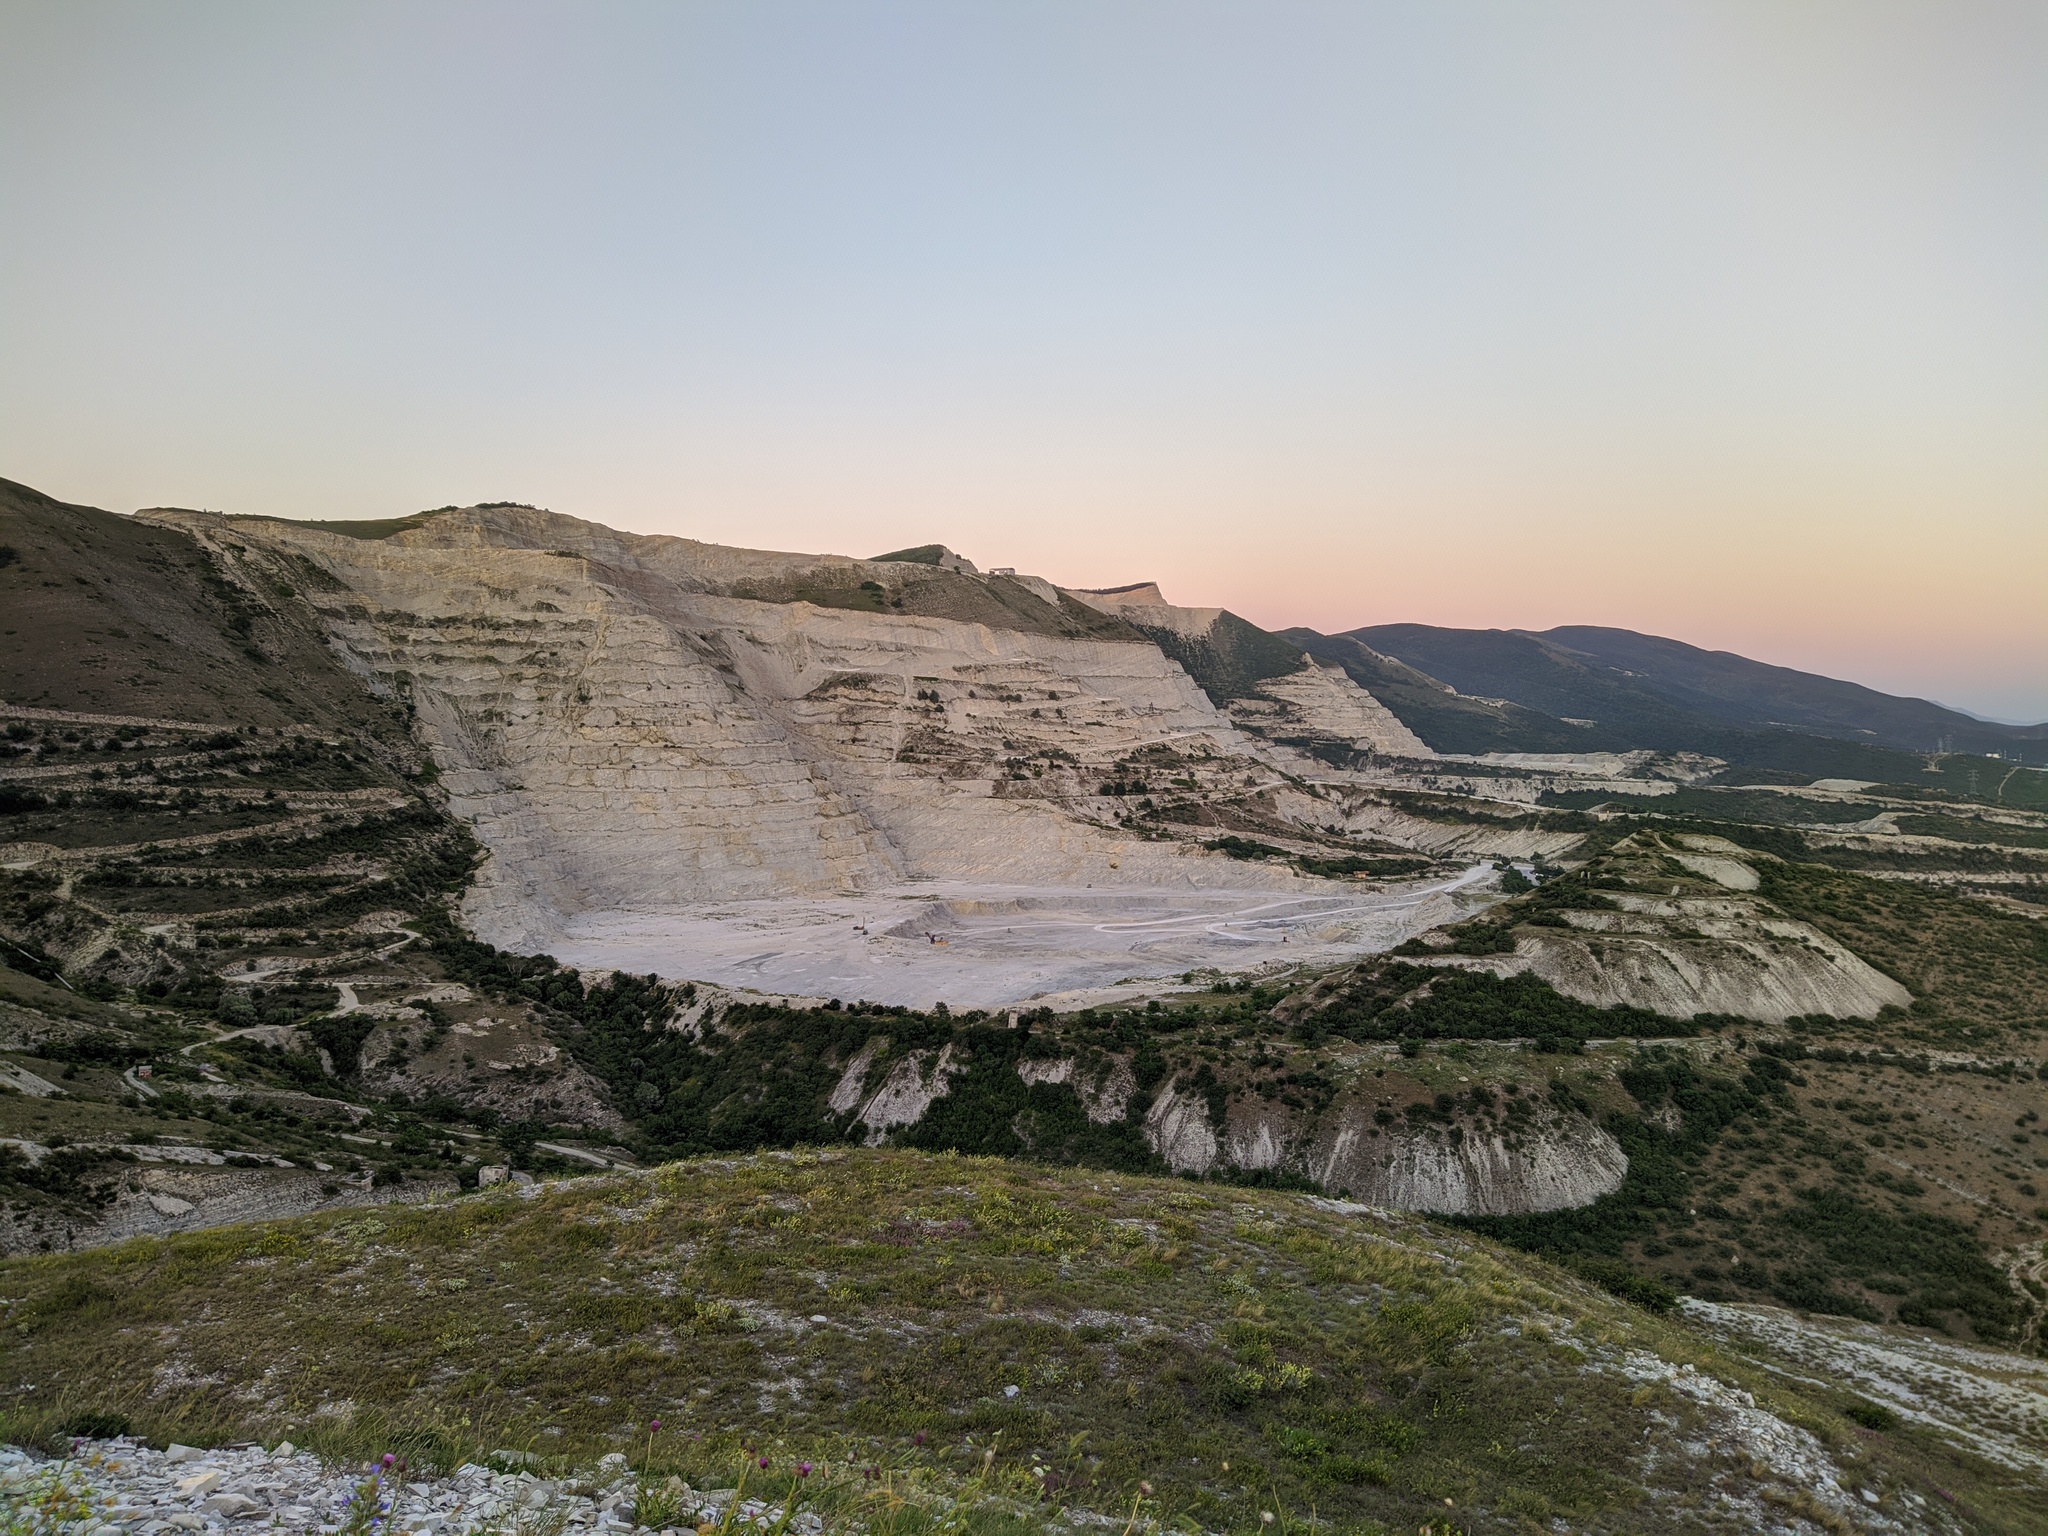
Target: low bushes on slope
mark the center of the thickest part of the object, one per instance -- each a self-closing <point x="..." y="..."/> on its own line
<point x="1969" y="965"/>
<point x="1392" y="1000"/>
<point x="1835" y="1249"/>
<point x="1085" y="1334"/>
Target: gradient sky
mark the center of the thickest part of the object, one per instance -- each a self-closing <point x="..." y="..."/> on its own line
<point x="1727" y="322"/>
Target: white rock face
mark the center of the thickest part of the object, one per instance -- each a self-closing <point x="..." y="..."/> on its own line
<point x="1144" y="603"/>
<point x="1559" y="1163"/>
<point x="1104" y="1099"/>
<point x="1325" y="700"/>
<point x="1770" y="970"/>
<point x="846" y="1094"/>
<point x="1257" y="1136"/>
<point x="627" y="731"/>
<point x="128" y="1486"/>
<point x="1732" y="873"/>
<point x="909" y="1090"/>
<point x="1570" y="1162"/>
<point x="1177" y="1128"/>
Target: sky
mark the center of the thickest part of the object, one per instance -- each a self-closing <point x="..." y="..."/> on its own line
<point x="1727" y="321"/>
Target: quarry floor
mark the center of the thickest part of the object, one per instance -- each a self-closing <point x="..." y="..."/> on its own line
<point x="994" y="946"/>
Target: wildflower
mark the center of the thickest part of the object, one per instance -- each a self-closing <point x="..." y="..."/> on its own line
<point x="654" y="1426"/>
<point x="803" y="1469"/>
<point x="1265" y="1517"/>
<point x="764" y="1463"/>
<point x="1145" y="1489"/>
<point x="918" y="1438"/>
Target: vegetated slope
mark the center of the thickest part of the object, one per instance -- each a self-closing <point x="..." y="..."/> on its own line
<point x="1447" y="720"/>
<point x="110" y="616"/>
<point x="1644" y="691"/>
<point x="1526" y="670"/>
<point x="1976" y="971"/>
<point x="1888" y="1167"/>
<point x="1086" y="1341"/>
<point x="1745" y="692"/>
<point x="227" y="903"/>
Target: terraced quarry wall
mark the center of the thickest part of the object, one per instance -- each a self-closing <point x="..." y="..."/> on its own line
<point x="625" y="733"/>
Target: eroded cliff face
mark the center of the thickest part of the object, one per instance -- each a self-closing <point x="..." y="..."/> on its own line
<point x="647" y="723"/>
<point x="1554" y="1160"/>
<point x="911" y="1086"/>
<point x="1754" y="967"/>
<point x="1321" y="702"/>
<point x="1563" y="1162"/>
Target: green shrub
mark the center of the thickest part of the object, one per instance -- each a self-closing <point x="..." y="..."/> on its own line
<point x="1871" y="1415"/>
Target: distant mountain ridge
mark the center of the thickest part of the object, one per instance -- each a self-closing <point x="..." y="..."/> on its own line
<point x="1587" y="686"/>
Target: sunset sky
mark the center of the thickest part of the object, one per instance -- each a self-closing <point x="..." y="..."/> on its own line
<point x="1723" y="321"/>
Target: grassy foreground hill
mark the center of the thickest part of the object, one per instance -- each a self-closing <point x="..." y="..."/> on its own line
<point x="1085" y="1340"/>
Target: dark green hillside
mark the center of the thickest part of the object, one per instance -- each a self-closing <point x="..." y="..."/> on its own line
<point x="1720" y="684"/>
<point x="1645" y="691"/>
<point x="1231" y="659"/>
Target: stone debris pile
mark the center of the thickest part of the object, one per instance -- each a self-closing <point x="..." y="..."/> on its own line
<point x="122" y="1488"/>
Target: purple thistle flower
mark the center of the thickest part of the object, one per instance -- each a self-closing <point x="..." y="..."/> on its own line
<point x="918" y="1438"/>
<point x="764" y="1462"/>
<point x="803" y="1469"/>
<point x="654" y="1426"/>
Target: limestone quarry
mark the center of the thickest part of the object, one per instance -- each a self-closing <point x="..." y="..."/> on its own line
<point x="905" y="780"/>
<point x="819" y="774"/>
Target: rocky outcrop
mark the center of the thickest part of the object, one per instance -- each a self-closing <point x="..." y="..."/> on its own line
<point x="1554" y="1160"/>
<point x="164" y="1200"/>
<point x="1770" y="969"/>
<point x="1144" y="604"/>
<point x="1105" y="1096"/>
<point x="1322" y="702"/>
<point x="906" y="1093"/>
<point x="1567" y="1162"/>
<point x="1177" y="1128"/>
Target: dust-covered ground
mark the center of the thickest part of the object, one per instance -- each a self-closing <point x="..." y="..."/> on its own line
<point x="991" y="946"/>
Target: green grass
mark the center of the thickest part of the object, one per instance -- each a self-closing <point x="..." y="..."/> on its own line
<point x="361" y="527"/>
<point x="1235" y="1350"/>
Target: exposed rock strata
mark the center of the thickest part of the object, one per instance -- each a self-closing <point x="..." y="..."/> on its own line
<point x="913" y="1084"/>
<point x="642" y="723"/>
<point x="1770" y="970"/>
<point x="1559" y="1162"/>
<point x="1106" y="1096"/>
<point x="1322" y="701"/>
<point x="1569" y="1162"/>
